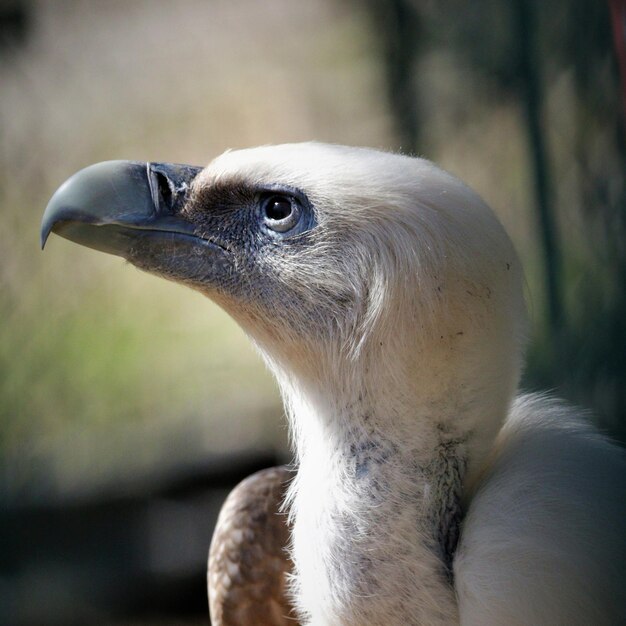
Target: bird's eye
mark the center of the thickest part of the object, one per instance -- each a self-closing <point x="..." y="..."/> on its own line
<point x="280" y="213"/>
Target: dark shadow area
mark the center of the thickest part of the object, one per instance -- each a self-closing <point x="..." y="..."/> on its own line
<point x="138" y="556"/>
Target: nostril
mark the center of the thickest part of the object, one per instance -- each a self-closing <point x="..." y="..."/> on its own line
<point x="165" y="191"/>
<point x="169" y="185"/>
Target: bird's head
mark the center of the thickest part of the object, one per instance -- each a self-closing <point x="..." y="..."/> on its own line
<point x="347" y="266"/>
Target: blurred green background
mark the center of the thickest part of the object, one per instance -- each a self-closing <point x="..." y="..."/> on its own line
<point x="113" y="382"/>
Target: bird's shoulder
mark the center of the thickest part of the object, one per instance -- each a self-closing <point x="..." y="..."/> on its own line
<point x="543" y="539"/>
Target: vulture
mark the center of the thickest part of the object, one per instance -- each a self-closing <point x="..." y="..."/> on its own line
<point x="387" y="300"/>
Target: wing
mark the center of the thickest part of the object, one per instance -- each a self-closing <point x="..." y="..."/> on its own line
<point x="543" y="543"/>
<point x="248" y="560"/>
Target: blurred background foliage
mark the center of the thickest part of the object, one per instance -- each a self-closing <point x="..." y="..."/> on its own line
<point x="111" y="380"/>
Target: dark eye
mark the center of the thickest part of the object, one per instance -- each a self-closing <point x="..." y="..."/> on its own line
<point x="280" y="213"/>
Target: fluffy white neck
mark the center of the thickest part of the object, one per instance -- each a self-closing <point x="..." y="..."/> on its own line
<point x="376" y="507"/>
<point x="387" y="437"/>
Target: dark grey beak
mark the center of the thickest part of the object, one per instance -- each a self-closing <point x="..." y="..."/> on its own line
<point x="109" y="205"/>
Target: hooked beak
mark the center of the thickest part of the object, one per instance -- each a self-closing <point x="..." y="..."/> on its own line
<point x="111" y="205"/>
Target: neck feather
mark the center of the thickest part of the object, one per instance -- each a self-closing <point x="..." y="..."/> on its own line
<point x="376" y="507"/>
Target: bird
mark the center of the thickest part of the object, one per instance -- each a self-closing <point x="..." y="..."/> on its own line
<point x="387" y="299"/>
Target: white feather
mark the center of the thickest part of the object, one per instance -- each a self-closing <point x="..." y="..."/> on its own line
<point x="543" y="541"/>
<point x="396" y="336"/>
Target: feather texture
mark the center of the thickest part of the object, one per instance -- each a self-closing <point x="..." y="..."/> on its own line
<point x="248" y="559"/>
<point x="425" y="492"/>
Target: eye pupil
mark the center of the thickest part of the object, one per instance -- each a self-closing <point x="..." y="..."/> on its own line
<point x="280" y="213"/>
<point x="278" y="208"/>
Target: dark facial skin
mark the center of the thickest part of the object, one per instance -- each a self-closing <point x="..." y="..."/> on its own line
<point x="256" y="226"/>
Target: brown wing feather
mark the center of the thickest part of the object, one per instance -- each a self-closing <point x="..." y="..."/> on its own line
<point x="248" y="560"/>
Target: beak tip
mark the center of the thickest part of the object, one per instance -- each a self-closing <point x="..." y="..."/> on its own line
<point x="47" y="222"/>
<point x="44" y="233"/>
<point x="46" y="229"/>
